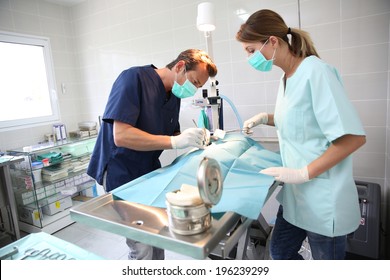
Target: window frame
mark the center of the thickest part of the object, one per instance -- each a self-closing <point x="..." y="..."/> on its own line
<point x="44" y="42"/>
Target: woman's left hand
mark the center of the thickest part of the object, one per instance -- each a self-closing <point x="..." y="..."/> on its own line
<point x="288" y="175"/>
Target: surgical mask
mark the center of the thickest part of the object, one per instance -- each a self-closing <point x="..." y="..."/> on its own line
<point x="185" y="90"/>
<point x="259" y="62"/>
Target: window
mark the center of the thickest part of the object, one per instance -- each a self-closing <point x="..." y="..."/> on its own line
<point x="27" y="84"/>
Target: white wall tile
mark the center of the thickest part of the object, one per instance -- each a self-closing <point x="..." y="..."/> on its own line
<point x="97" y="6"/>
<point x="120" y="32"/>
<point x="274" y="75"/>
<point x="118" y="14"/>
<point x="58" y="43"/>
<point x="314" y="12"/>
<point x="185" y="15"/>
<point x="221" y="52"/>
<point x="187" y="37"/>
<point x="253" y="94"/>
<point x="325" y="36"/>
<point x="81" y="26"/>
<point x="98" y="21"/>
<point x="159" y="6"/>
<point x="138" y="9"/>
<point x="26" y="23"/>
<point x="356" y="60"/>
<point x="249" y="111"/>
<point x="139" y="27"/>
<point x="221" y="33"/>
<point x="332" y="57"/>
<point x="372" y="112"/>
<point x="369" y="165"/>
<point x="80" y="12"/>
<point x="388" y="126"/>
<point x="161" y="22"/>
<point x="6" y="20"/>
<point x="100" y="38"/>
<point x="25" y="6"/>
<point x="271" y="89"/>
<point x="376" y="140"/>
<point x="366" y="86"/>
<point x="365" y="31"/>
<point x="62" y="59"/>
<point x="289" y="11"/>
<point x="115" y="3"/>
<point x="162" y="42"/>
<point x="361" y="8"/>
<point x="5" y="4"/>
<point x="237" y="51"/>
<point x="52" y="26"/>
<point x="142" y="46"/>
<point x="51" y="10"/>
<point x="244" y="73"/>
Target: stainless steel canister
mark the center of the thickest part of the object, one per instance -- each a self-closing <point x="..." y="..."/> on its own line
<point x="188" y="220"/>
<point x="194" y="219"/>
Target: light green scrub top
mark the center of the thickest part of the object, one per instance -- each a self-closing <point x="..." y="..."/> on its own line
<point x="310" y="113"/>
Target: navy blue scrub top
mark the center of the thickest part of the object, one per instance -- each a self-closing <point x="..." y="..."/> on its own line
<point x="138" y="98"/>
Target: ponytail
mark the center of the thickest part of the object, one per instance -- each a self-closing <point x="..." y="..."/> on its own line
<point x="301" y="43"/>
<point x="265" y="23"/>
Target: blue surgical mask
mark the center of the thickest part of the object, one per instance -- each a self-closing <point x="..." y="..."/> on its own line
<point x="185" y="90"/>
<point x="259" y="62"/>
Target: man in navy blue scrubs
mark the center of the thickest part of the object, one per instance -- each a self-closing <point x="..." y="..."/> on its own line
<point x="141" y="119"/>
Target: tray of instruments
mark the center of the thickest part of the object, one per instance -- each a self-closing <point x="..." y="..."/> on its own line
<point x="149" y="225"/>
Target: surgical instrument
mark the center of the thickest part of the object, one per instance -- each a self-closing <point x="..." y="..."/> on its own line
<point x="44" y="254"/>
<point x="219" y="133"/>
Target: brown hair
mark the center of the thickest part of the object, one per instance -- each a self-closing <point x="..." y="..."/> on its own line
<point x="265" y="23"/>
<point x="192" y="58"/>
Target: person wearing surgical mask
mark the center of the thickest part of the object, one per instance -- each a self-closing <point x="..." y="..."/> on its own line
<point x="141" y="119"/>
<point x="318" y="130"/>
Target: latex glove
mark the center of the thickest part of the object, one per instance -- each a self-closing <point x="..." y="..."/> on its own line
<point x="288" y="175"/>
<point x="191" y="137"/>
<point x="261" y="118"/>
<point x="207" y="137"/>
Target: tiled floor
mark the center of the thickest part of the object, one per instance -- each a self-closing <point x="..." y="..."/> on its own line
<point x="107" y="245"/>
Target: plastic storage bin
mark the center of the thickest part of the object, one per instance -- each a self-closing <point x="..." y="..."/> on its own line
<point x="80" y="148"/>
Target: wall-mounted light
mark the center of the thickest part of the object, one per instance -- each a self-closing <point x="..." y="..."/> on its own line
<point x="205" y="20"/>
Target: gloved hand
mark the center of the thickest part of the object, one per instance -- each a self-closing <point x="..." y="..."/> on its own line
<point x="191" y="137"/>
<point x="207" y="138"/>
<point x="288" y="175"/>
<point x="261" y="118"/>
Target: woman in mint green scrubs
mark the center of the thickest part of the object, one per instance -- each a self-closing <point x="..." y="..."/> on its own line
<point x="318" y="130"/>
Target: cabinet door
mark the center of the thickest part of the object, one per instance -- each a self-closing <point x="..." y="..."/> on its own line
<point x="50" y="180"/>
<point x="25" y="182"/>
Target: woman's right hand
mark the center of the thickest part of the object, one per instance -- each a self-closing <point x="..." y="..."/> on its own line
<point x="261" y="118"/>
